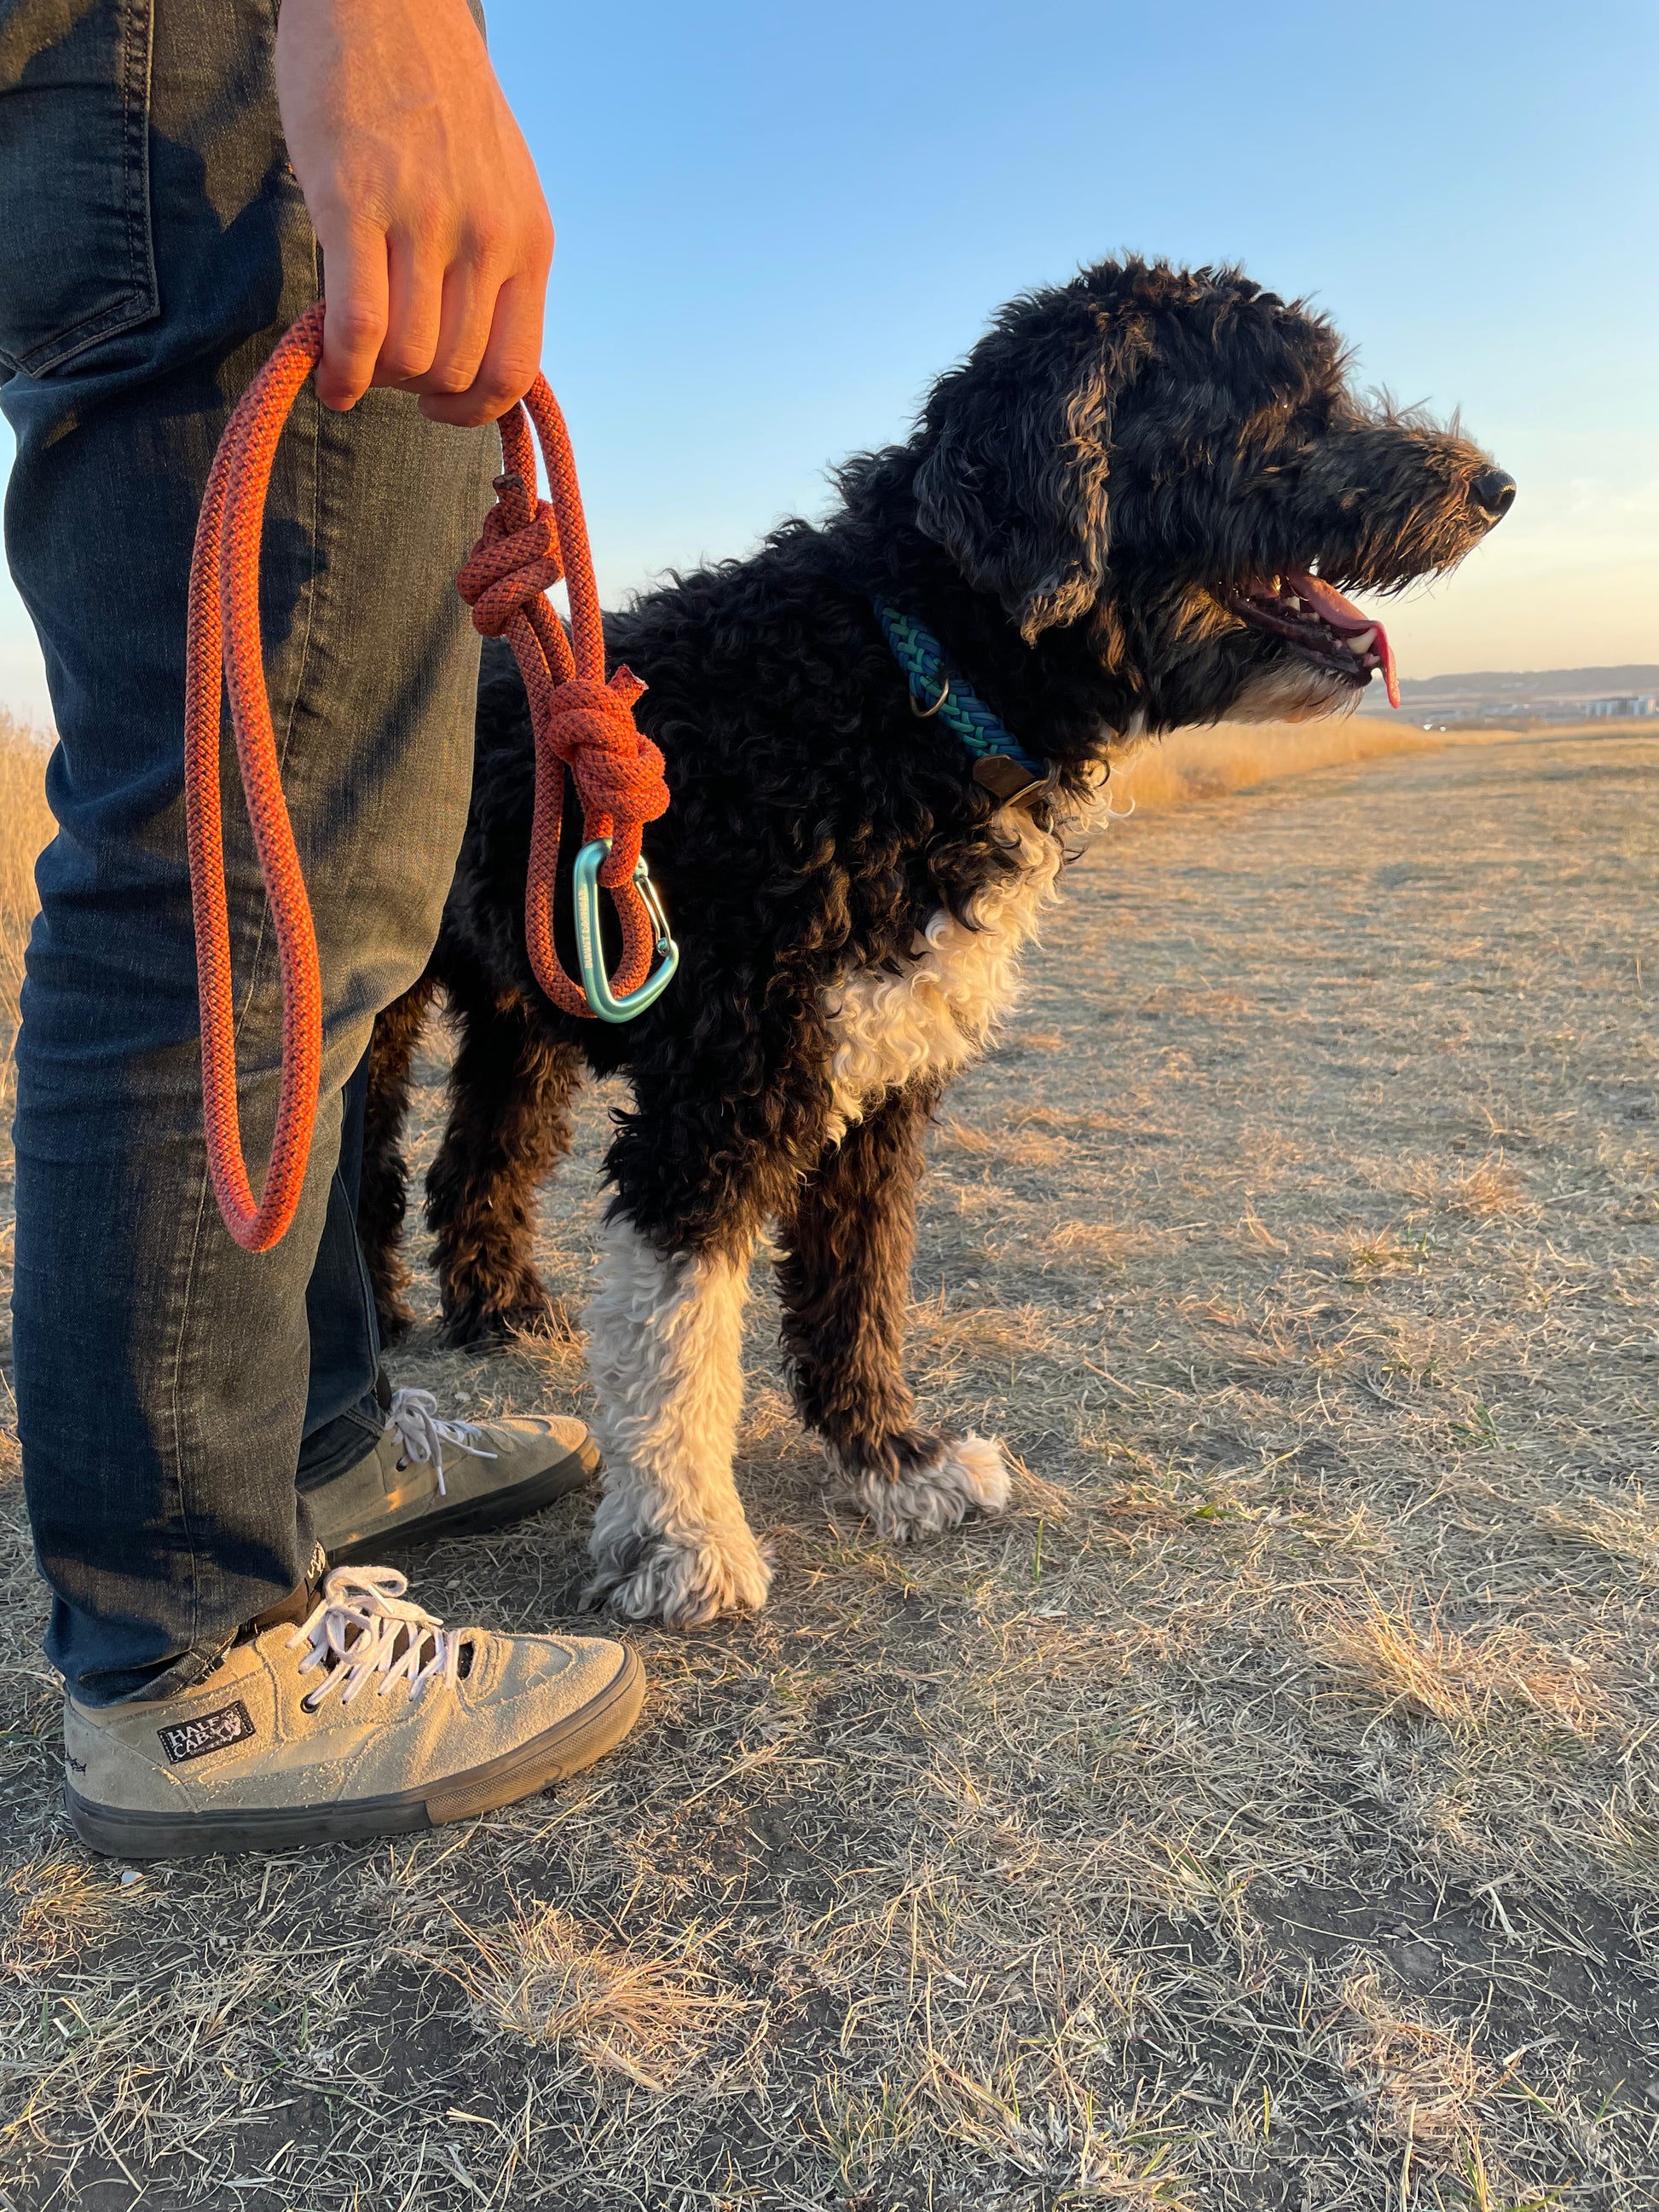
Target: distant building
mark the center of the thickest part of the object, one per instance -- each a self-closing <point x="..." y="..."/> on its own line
<point x="1635" y="703"/>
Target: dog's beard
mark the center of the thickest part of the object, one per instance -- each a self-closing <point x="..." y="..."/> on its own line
<point x="1293" y="691"/>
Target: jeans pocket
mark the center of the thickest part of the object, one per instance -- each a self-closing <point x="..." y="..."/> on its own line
<point x="76" y="264"/>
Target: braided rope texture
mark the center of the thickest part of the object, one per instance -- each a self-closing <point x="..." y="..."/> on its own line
<point x="963" y="713"/>
<point x="222" y="649"/>
<point x="581" y="722"/>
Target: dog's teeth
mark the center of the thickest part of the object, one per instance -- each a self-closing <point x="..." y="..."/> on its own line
<point x="1360" y="645"/>
<point x="1294" y="603"/>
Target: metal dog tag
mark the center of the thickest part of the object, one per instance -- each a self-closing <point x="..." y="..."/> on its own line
<point x="1005" y="779"/>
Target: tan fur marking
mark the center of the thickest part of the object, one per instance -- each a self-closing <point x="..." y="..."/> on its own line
<point x="943" y="1009"/>
<point x="665" y="1351"/>
<point x="968" y="1475"/>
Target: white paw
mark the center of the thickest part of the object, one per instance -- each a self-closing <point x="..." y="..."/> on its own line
<point x="683" y="1579"/>
<point x="968" y="1474"/>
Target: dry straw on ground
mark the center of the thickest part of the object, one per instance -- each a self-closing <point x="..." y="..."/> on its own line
<point x="1418" y="1665"/>
<point x="541" y="1977"/>
<point x="1263" y="1816"/>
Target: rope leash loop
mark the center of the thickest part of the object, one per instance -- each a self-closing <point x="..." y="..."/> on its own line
<point x="583" y="723"/>
<point x="223" y="648"/>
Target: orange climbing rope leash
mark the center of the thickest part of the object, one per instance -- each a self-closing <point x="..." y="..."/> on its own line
<point x="581" y="722"/>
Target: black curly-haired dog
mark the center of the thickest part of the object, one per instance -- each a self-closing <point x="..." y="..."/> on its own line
<point x="1110" y="516"/>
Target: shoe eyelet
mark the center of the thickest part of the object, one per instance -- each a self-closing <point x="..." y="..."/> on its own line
<point x="402" y="1467"/>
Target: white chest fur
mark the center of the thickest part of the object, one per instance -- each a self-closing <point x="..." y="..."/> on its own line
<point x="940" y="1008"/>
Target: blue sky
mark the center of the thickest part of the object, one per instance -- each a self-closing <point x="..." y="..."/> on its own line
<point x="776" y="224"/>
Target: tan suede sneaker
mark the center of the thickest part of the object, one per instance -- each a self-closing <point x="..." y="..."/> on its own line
<point x="368" y="1717"/>
<point x="430" y="1477"/>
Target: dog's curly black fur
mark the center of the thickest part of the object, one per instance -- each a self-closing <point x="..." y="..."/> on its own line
<point x="1079" y="503"/>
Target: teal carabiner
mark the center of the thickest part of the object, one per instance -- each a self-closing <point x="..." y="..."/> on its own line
<point x="595" y="984"/>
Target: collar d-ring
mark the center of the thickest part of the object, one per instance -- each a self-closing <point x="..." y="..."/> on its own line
<point x="927" y="713"/>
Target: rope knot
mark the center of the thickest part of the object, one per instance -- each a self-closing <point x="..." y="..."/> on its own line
<point x="515" y="560"/>
<point x="618" y="772"/>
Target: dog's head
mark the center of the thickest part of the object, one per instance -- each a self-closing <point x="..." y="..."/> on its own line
<point x="1167" y="474"/>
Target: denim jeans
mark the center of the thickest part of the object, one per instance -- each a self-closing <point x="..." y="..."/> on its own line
<point x="154" y="245"/>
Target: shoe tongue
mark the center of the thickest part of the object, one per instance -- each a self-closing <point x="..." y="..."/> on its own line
<point x="410" y="1634"/>
<point x="292" y="1610"/>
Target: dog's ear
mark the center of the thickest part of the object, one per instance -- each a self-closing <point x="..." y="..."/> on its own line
<point x="1012" y="479"/>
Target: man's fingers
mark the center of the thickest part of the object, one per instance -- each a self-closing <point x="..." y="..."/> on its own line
<point x="510" y="361"/>
<point x="468" y="343"/>
<point x="354" y="329"/>
<point x="470" y="288"/>
<point x="414" y="312"/>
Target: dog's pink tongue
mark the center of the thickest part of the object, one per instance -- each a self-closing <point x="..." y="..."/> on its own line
<point x="1390" y="681"/>
<point x="1328" y="604"/>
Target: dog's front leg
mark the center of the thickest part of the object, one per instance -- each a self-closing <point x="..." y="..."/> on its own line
<point x="697" y="1167"/>
<point x="845" y="1280"/>
<point x="666" y="1349"/>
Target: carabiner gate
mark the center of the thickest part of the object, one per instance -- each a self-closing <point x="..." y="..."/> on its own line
<point x="595" y="984"/>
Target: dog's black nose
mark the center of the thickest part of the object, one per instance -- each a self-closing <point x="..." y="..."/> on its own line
<point x="1494" y="490"/>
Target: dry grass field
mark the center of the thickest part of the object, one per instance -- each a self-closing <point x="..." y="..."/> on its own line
<point x="25" y="826"/>
<point x="1263" y="1815"/>
<point x="1193" y="764"/>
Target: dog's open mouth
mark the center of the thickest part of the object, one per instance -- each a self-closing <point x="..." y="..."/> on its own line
<point x="1315" y="620"/>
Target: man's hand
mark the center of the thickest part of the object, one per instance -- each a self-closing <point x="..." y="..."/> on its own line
<point x="435" y="237"/>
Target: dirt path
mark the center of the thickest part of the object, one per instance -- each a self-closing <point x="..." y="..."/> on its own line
<point x="1263" y="1815"/>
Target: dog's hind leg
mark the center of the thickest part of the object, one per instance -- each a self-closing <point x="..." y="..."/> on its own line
<point x="845" y="1282"/>
<point x="509" y="1123"/>
<point x="383" y="1190"/>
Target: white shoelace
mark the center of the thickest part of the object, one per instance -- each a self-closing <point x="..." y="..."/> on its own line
<point x="361" y="1626"/>
<point x="413" y="1417"/>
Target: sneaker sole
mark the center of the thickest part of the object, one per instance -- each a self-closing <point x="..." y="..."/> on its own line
<point x="472" y="1517"/>
<point x="572" y="1744"/>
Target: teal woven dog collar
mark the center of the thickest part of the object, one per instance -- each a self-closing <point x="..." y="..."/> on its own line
<point x="1001" y="763"/>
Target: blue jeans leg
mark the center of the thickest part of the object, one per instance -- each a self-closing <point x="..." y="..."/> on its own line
<point x="153" y="246"/>
<point x="346" y="1396"/>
